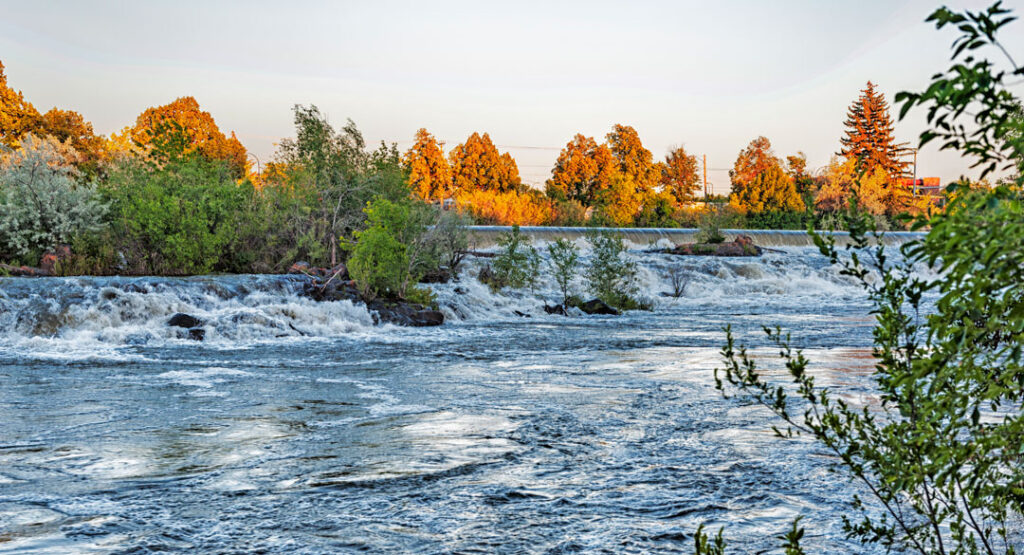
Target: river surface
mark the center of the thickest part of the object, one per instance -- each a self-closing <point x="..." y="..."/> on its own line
<point x="302" y="427"/>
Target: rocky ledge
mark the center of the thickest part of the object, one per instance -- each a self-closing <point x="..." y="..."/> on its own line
<point x="334" y="285"/>
<point x="742" y="246"/>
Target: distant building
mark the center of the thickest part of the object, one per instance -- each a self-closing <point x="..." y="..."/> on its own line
<point x="926" y="186"/>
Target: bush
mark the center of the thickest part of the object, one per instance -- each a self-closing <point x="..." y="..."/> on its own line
<point x="41" y="202"/>
<point x="517" y="263"/>
<point x="611" y="274"/>
<point x="564" y="259"/>
<point x="451" y="239"/>
<point x="179" y="219"/>
<point x="395" y="250"/>
<point x="710" y="228"/>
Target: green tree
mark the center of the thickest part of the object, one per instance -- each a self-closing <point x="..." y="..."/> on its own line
<point x="611" y="274"/>
<point x="941" y="453"/>
<point x="395" y="250"/>
<point x="564" y="259"/>
<point x="517" y="262"/>
<point x="870" y="136"/>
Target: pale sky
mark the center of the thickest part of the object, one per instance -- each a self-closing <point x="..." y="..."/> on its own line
<point x="708" y="75"/>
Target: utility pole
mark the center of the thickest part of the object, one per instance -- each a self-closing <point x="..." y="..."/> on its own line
<point x="705" y="167"/>
<point x="915" y="172"/>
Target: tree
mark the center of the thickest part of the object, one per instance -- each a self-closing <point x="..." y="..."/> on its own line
<point x="69" y="126"/>
<point x="869" y="134"/>
<point x="751" y="162"/>
<point x="340" y="174"/>
<point x="620" y="203"/>
<point x="41" y="202"/>
<point x="477" y="164"/>
<point x="770" y="191"/>
<point x="517" y="262"/>
<point x="679" y="175"/>
<point x="582" y="171"/>
<point x="430" y="177"/>
<point x="940" y="453"/>
<point x="564" y="256"/>
<point x="611" y="275"/>
<point x="395" y="250"/>
<point x="203" y="135"/>
<point x="874" y="191"/>
<point x="796" y="167"/>
<point x="635" y="162"/>
<point x="17" y="116"/>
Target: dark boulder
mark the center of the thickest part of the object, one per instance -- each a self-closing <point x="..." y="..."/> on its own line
<point x="197" y="334"/>
<point x="439" y="275"/>
<point x="597" y="306"/>
<point x="404" y="314"/>
<point x="555" y="309"/>
<point x="182" y="320"/>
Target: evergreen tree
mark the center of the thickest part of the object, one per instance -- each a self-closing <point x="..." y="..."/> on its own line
<point x="477" y="164"/>
<point x="679" y="175"/>
<point x="430" y="177"/>
<point x="869" y="134"/>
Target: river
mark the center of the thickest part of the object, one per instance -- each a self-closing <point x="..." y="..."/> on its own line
<point x="301" y="427"/>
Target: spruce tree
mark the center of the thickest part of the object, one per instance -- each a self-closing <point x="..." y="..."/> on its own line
<point x="869" y="135"/>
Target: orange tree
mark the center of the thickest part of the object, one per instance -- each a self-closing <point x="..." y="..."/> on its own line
<point x="430" y="177"/>
<point x="869" y="134"/>
<point x="477" y="164"/>
<point x="583" y="170"/>
<point x="200" y="130"/>
<point x="679" y="175"/>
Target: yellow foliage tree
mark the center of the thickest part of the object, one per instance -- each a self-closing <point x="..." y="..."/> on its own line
<point x="430" y="177"/>
<point x="477" y="164"/>
<point x="770" y="191"/>
<point x="204" y="137"/>
<point x="875" y="190"/>
<point x="621" y="201"/>
<point x="635" y="161"/>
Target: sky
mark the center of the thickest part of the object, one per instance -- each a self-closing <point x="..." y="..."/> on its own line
<point x="710" y="76"/>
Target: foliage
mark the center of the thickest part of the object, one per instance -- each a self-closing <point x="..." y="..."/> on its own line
<point x="679" y="175"/>
<point x="430" y="177"/>
<point x="395" y="250"/>
<point x="996" y="137"/>
<point x="710" y="227"/>
<point x="477" y="164"/>
<point x="508" y="208"/>
<point x="874" y="191"/>
<point x="17" y="116"/>
<point x="869" y="135"/>
<point x="635" y="162"/>
<point x="620" y="203"/>
<point x="751" y="162"/>
<point x="342" y="175"/>
<point x="582" y="171"/>
<point x="569" y="213"/>
<point x="517" y="263"/>
<point x="941" y="453"/>
<point x="179" y="218"/>
<point x="611" y="275"/>
<point x="451" y="239"/>
<point x="769" y="191"/>
<point x="564" y="259"/>
<point x="203" y="135"/>
<point x="659" y="210"/>
<point x="42" y="204"/>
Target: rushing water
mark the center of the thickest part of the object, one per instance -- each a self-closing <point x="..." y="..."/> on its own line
<point x="299" y="426"/>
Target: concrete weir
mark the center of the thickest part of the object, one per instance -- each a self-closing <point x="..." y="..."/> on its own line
<point x="487" y="235"/>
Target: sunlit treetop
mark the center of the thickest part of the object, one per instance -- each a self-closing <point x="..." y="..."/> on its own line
<point x="430" y="177"/>
<point x="477" y="164"/>
<point x="200" y="130"/>
<point x="635" y="161"/>
<point x="870" y="136"/>
<point x="752" y="161"/>
<point x="582" y="171"/>
<point x="679" y="175"/>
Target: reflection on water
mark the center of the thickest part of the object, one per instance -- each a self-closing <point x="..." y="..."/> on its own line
<point x="493" y="433"/>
